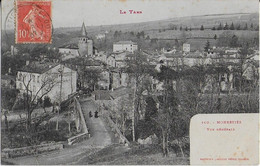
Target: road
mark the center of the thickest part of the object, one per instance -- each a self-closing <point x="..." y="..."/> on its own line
<point x="99" y="139"/>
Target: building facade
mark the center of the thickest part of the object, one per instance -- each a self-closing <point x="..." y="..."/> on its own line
<point x="125" y="46"/>
<point x="53" y="80"/>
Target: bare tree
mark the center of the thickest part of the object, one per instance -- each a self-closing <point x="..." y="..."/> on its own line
<point x="138" y="69"/>
<point x="32" y="99"/>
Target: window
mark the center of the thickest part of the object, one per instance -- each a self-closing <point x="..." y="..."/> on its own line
<point x="21" y="86"/>
<point x="33" y="78"/>
<point x="38" y="79"/>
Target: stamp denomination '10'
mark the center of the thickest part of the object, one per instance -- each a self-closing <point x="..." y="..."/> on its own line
<point x="33" y="22"/>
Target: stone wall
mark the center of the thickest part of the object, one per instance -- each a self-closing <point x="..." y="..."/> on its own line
<point x="116" y="130"/>
<point x="30" y="150"/>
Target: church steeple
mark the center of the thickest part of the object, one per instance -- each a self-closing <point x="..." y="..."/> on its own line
<point x="85" y="44"/>
<point x="83" y="30"/>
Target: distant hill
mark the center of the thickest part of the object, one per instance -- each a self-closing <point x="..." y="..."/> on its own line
<point x="156" y="29"/>
<point x="192" y="21"/>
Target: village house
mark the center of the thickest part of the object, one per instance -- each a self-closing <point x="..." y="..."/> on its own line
<point x="186" y="47"/>
<point x="118" y="59"/>
<point x="101" y="56"/>
<point x="125" y="46"/>
<point x="47" y="79"/>
<point x="119" y="78"/>
<point x="69" y="51"/>
<point x="168" y="51"/>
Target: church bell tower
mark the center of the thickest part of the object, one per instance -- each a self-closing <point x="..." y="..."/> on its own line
<point x="85" y="44"/>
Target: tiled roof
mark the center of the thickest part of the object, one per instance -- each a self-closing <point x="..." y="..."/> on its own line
<point x="81" y="61"/>
<point x="37" y="67"/>
<point x="120" y="92"/>
<point x="125" y="42"/>
<point x="70" y="46"/>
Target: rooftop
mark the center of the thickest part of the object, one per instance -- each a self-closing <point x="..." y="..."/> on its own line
<point x="38" y="67"/>
<point x="121" y="91"/>
<point x="83" y="61"/>
<point x="70" y="46"/>
<point x="83" y="30"/>
<point x="125" y="42"/>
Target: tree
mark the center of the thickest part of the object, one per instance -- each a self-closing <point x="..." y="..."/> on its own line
<point x="207" y="46"/>
<point x="91" y="78"/>
<point x="132" y="33"/>
<point x="220" y="27"/>
<point x="215" y="37"/>
<point x="151" y="109"/>
<point x="201" y="28"/>
<point x="8" y="100"/>
<point x="154" y="40"/>
<point x="226" y="27"/>
<point x="186" y="29"/>
<point x="244" y="52"/>
<point x="238" y="27"/>
<point x="180" y="28"/>
<point x="245" y="28"/>
<point x="138" y="69"/>
<point x="234" y="41"/>
<point x="147" y="37"/>
<point x="183" y="38"/>
<point x="190" y="28"/>
<point x="32" y="99"/>
<point x="171" y="26"/>
<point x="213" y="29"/>
<point x="138" y="35"/>
<point x="116" y="34"/>
<point x="124" y="108"/>
<point x="46" y="102"/>
<point x="232" y="26"/>
<point x="142" y="34"/>
<point x="171" y="120"/>
<point x="252" y="26"/>
<point x="257" y="28"/>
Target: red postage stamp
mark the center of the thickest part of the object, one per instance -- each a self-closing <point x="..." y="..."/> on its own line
<point x="33" y="22"/>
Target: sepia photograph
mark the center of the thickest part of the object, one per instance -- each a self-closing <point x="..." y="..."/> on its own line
<point x="129" y="82"/>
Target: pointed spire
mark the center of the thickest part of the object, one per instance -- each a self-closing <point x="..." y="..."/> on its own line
<point x="83" y="30"/>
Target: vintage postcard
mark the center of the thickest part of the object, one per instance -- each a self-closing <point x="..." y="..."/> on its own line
<point x="129" y="82"/>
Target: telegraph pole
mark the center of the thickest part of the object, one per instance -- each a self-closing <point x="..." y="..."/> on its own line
<point x="57" y="122"/>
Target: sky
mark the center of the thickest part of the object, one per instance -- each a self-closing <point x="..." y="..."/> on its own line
<point x="71" y="13"/>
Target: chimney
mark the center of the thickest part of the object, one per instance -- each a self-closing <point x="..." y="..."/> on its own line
<point x="27" y="62"/>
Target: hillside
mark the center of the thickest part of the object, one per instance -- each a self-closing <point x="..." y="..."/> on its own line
<point x="158" y="29"/>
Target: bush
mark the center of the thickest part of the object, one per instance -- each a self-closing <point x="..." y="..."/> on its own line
<point x="47" y="101"/>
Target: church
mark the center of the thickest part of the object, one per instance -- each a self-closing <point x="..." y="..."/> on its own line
<point x="85" y="47"/>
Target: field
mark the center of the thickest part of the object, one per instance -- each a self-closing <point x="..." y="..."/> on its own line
<point x="157" y="29"/>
